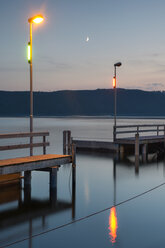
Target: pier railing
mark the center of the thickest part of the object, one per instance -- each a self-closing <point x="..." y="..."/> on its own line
<point x="30" y="145"/>
<point x="131" y="130"/>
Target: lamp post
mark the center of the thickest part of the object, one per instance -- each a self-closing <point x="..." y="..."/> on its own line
<point x="35" y="19"/>
<point x="114" y="86"/>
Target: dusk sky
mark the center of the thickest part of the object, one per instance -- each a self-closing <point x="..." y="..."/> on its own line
<point x="129" y="31"/>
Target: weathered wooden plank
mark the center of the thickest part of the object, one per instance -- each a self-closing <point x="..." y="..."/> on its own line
<point x="142" y="140"/>
<point x="9" y="166"/>
<point x="9" y="178"/>
<point x="23" y="146"/>
<point x="23" y="135"/>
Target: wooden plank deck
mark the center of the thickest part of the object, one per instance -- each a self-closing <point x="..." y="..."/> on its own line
<point x="115" y="146"/>
<point x="96" y="145"/>
<point x="14" y="165"/>
<point x="142" y="140"/>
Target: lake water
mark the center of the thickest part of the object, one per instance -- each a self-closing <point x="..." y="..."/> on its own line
<point x="100" y="215"/>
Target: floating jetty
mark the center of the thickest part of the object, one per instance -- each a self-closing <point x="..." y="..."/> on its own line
<point x="136" y="139"/>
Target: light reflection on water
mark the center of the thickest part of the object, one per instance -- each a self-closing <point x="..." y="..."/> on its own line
<point x="113" y="225"/>
<point x="102" y="182"/>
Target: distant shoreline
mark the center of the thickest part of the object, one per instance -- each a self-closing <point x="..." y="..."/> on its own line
<point x="90" y="117"/>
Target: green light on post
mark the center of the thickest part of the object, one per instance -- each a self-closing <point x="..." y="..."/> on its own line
<point x="29" y="52"/>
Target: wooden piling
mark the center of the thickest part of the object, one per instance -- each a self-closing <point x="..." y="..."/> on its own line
<point x="136" y="164"/>
<point x="73" y="194"/>
<point x="53" y="177"/>
<point x="144" y="152"/>
<point x="121" y="152"/>
<point x="73" y="177"/>
<point x="27" y="187"/>
<point x="27" y="178"/>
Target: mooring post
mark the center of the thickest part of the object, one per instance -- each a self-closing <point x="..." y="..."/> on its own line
<point x="67" y="142"/>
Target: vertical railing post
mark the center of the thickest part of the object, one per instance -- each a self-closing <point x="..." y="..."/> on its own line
<point x="69" y="141"/>
<point x="44" y="144"/>
<point x="157" y="130"/>
<point x="64" y="142"/>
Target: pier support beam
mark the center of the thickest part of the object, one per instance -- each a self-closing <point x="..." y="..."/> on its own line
<point x="73" y="165"/>
<point x="144" y="153"/>
<point x="27" y="187"/>
<point x="121" y="152"/>
<point x="27" y="178"/>
<point x="73" y="192"/>
<point x="137" y="153"/>
<point x="137" y="165"/>
<point x="53" y="186"/>
<point x="137" y="144"/>
<point x="53" y="177"/>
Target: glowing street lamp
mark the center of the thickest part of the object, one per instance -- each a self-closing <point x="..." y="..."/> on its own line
<point x="35" y="19"/>
<point x="114" y="86"/>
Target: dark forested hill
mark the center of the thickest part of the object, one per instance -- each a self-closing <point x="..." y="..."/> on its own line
<point x="84" y="102"/>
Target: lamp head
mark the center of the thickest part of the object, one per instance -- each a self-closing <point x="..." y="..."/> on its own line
<point x="36" y="19"/>
<point x="118" y="64"/>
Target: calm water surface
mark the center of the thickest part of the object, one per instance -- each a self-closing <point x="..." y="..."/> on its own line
<point x="101" y="183"/>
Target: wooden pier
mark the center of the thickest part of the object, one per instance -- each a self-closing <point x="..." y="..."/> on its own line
<point x="136" y="139"/>
<point x="47" y="162"/>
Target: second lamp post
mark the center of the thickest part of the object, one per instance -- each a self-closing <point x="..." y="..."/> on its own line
<point x="114" y="86"/>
